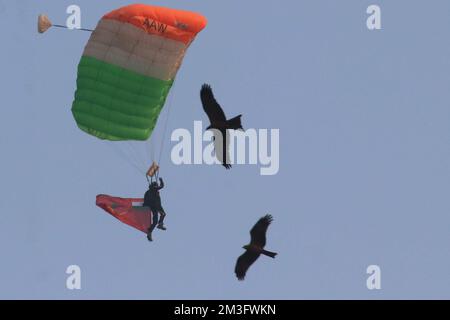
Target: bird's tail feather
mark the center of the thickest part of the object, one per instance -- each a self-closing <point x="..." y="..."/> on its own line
<point x="269" y="253"/>
<point x="235" y="123"/>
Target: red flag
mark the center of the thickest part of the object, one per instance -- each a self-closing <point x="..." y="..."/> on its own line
<point x="128" y="210"/>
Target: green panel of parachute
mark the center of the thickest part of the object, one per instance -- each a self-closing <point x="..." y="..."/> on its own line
<point x="114" y="103"/>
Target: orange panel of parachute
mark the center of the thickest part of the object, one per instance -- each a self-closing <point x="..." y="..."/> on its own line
<point x="128" y="210"/>
<point x="179" y="25"/>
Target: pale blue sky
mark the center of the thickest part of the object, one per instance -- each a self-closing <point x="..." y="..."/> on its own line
<point x="364" y="178"/>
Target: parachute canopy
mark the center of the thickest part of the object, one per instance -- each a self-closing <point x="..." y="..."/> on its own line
<point x="128" y="210"/>
<point x="128" y="67"/>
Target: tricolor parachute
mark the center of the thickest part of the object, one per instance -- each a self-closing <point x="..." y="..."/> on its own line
<point x="128" y="67"/>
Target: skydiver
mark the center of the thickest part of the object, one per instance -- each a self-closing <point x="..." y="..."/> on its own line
<point x="152" y="200"/>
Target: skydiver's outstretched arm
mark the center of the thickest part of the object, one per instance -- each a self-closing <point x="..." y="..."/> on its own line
<point x="161" y="184"/>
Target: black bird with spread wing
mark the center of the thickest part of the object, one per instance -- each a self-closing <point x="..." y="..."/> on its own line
<point x="219" y="122"/>
<point x="255" y="248"/>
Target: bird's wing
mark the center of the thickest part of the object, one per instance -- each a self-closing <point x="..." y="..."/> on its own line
<point x="258" y="232"/>
<point x="210" y="105"/>
<point x="222" y="147"/>
<point x="244" y="262"/>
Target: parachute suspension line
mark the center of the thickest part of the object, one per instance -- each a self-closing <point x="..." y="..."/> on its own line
<point x="136" y="154"/>
<point x="169" y="107"/>
<point x="127" y="158"/>
<point x="128" y="153"/>
<point x="123" y="155"/>
<point x="65" y="27"/>
<point x="150" y="148"/>
<point x="153" y="150"/>
<point x="156" y="175"/>
<point x="154" y="169"/>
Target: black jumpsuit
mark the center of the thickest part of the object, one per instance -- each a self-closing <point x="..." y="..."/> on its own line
<point x="152" y="200"/>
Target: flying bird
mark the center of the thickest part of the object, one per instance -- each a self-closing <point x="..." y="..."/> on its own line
<point x="219" y="122"/>
<point x="255" y="248"/>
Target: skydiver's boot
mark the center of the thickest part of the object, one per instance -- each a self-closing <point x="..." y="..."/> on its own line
<point x="161" y="226"/>
<point x="161" y="222"/>
<point x="149" y="235"/>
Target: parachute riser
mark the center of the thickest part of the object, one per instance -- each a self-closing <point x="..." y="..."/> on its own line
<point x="152" y="172"/>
